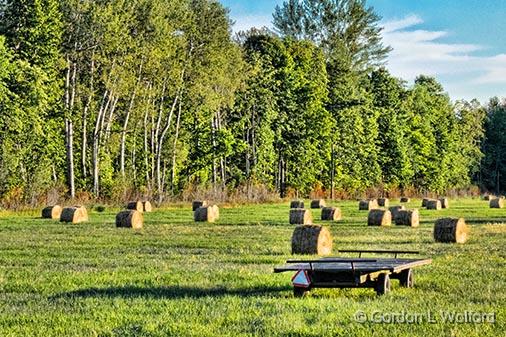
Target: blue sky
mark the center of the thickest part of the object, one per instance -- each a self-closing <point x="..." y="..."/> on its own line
<point x="461" y="42"/>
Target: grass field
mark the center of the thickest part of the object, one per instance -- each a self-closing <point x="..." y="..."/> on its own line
<point x="179" y="278"/>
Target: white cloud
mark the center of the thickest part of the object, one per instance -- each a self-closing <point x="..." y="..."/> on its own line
<point x="417" y="51"/>
<point x="408" y="21"/>
<point x="496" y="70"/>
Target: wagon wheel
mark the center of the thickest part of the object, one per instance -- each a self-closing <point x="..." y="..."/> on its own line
<point x="407" y="278"/>
<point x="300" y="291"/>
<point x="383" y="284"/>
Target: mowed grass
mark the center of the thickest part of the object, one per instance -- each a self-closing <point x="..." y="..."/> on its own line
<point x="179" y="278"/>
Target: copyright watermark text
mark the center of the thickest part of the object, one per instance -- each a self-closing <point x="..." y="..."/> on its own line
<point x="405" y="317"/>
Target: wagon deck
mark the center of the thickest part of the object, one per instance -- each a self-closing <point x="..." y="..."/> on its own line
<point x="344" y="272"/>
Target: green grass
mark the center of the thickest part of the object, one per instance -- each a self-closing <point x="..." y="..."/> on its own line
<point x="178" y="278"/>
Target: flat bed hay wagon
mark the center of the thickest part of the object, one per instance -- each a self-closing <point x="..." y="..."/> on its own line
<point x="344" y="272"/>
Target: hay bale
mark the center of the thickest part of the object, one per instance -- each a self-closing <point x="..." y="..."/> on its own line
<point x="425" y="201"/>
<point x="451" y="230"/>
<point x="408" y="218"/>
<point x="297" y="204"/>
<point x="331" y="214"/>
<point x="207" y="213"/>
<point x="320" y="203"/>
<point x="311" y="239"/>
<point x="216" y="211"/>
<point x="497" y="203"/>
<point x="130" y="219"/>
<point x="300" y="216"/>
<point x="74" y="214"/>
<point x="367" y="205"/>
<point x="395" y="210"/>
<point x="379" y="217"/>
<point x="383" y="202"/>
<point x="434" y="204"/>
<point x="146" y="206"/>
<point x="197" y="204"/>
<point x="445" y="203"/>
<point x="52" y="212"/>
<point x="405" y="199"/>
<point x="136" y="206"/>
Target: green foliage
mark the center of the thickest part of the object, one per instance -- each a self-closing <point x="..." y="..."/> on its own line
<point x="393" y="143"/>
<point x="345" y="29"/>
<point x="252" y="120"/>
<point x="303" y="137"/>
<point x="493" y="170"/>
<point x="432" y="120"/>
<point x="5" y="71"/>
<point x="161" y="98"/>
<point x="33" y="29"/>
<point x="29" y="149"/>
<point x="280" y="113"/>
<point x="468" y="134"/>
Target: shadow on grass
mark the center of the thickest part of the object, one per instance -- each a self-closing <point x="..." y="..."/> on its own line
<point x="172" y="292"/>
<point x="490" y="220"/>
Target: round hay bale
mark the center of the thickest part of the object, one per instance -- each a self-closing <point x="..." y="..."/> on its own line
<point x="83" y="213"/>
<point x="300" y="216"/>
<point x="450" y="230"/>
<point x="434" y="204"/>
<point x="311" y="239"/>
<point x="445" y="203"/>
<point x="383" y="202"/>
<point x="207" y="213"/>
<point x="146" y="206"/>
<point x="76" y="214"/>
<point x="331" y="214"/>
<point x="497" y="203"/>
<point x="405" y="199"/>
<point x="425" y="201"/>
<point x="395" y="210"/>
<point x="136" y="206"/>
<point x="197" y="203"/>
<point x="52" y="212"/>
<point x="130" y="219"/>
<point x="320" y="203"/>
<point x="216" y="212"/>
<point x="367" y="205"/>
<point x="379" y="217"/>
<point x="297" y="204"/>
<point x="408" y="218"/>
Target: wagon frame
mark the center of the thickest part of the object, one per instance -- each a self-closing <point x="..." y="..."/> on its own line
<point x="344" y="272"/>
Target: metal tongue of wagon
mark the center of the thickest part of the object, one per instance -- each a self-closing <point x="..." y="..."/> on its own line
<point x="344" y="272"/>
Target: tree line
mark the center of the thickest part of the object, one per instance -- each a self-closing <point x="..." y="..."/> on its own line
<point x="160" y="97"/>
